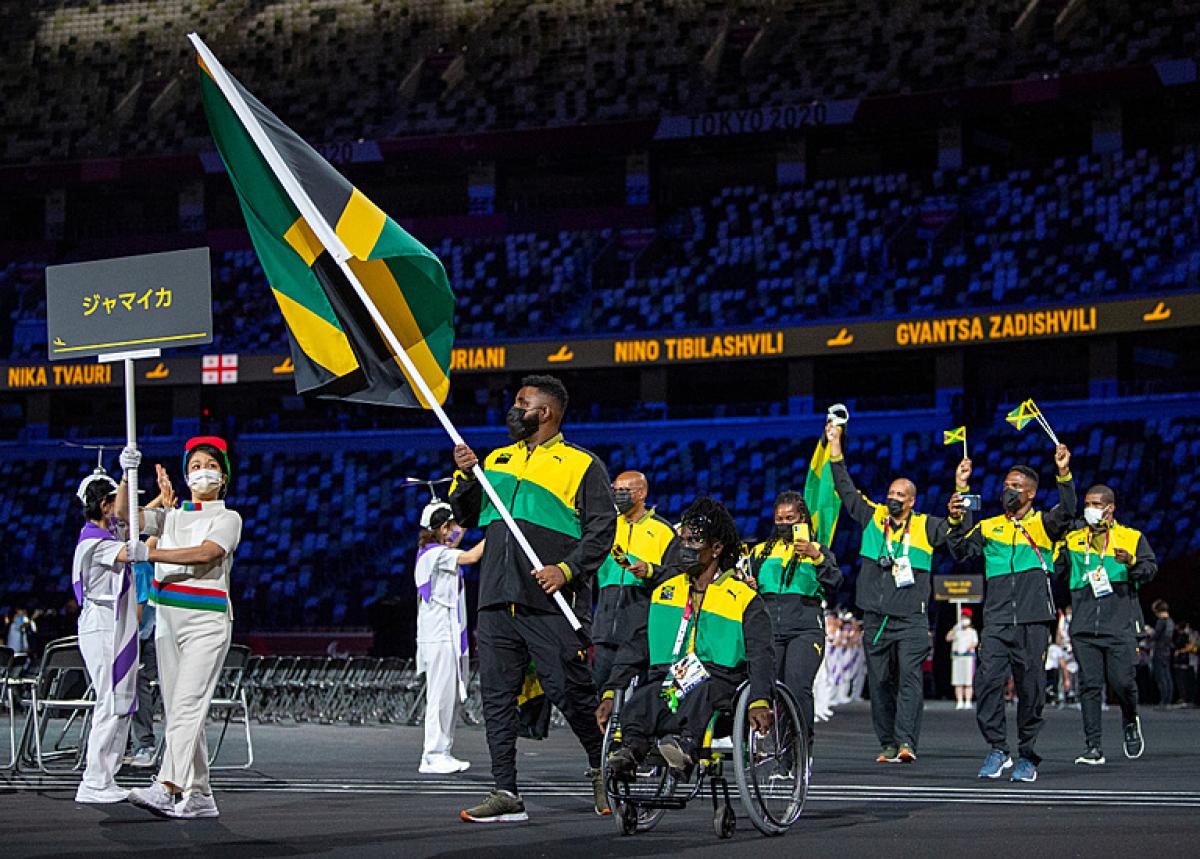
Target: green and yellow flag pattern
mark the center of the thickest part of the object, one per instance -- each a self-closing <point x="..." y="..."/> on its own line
<point x="1023" y="414"/>
<point x="820" y="496"/>
<point x="958" y="434"/>
<point x="336" y="347"/>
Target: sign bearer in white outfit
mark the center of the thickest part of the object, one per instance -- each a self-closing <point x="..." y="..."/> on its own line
<point x="193" y="560"/>
<point x="442" y="632"/>
<point x="103" y="585"/>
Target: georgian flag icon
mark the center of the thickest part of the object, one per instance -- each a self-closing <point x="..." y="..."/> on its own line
<point x="219" y="369"/>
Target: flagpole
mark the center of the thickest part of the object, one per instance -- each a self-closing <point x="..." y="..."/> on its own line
<point x="337" y="249"/>
<point x="1042" y="422"/>
<point x="131" y="441"/>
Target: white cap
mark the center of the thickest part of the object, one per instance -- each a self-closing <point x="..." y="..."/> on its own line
<point x="98" y="474"/>
<point x="838" y="414"/>
<point x="430" y="509"/>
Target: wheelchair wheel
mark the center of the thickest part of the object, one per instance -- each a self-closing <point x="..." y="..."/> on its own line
<point x="724" y="821"/>
<point x="651" y="782"/>
<point x="773" y="770"/>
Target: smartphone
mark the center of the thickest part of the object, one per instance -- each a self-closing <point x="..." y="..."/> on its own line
<point x="972" y="502"/>
<point x="621" y="558"/>
<point x="800" y="533"/>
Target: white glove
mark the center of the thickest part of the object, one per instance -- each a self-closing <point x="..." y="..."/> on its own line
<point x="139" y="552"/>
<point x="131" y="457"/>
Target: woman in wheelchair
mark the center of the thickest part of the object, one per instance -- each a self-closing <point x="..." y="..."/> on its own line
<point x="702" y="634"/>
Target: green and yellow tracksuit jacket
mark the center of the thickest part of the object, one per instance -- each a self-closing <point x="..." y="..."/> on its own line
<point x="733" y="638"/>
<point x="1017" y="587"/>
<point x="647" y="539"/>
<point x="560" y="497"/>
<point x="1118" y="613"/>
<point x="875" y="589"/>
<point x="793" y="587"/>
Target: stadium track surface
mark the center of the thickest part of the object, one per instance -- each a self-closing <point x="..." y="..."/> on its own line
<point x="354" y="791"/>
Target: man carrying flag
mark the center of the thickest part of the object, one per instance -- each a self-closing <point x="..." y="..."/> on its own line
<point x="369" y="313"/>
<point x="1018" y="610"/>
<point x="561" y="498"/>
<point x="894" y="579"/>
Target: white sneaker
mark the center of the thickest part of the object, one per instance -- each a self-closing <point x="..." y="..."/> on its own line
<point x="155" y="799"/>
<point x="142" y="759"/>
<point x="197" y="805"/>
<point x="442" y="765"/>
<point x="100" y="796"/>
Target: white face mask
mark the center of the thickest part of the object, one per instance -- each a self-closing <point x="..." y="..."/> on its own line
<point x="964" y="623"/>
<point x="204" y="480"/>
<point x="1093" y="516"/>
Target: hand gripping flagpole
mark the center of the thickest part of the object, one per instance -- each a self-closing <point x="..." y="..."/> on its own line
<point x="337" y="249"/>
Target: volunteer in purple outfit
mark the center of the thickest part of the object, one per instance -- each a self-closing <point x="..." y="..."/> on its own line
<point x="442" y="633"/>
<point x="103" y="585"/>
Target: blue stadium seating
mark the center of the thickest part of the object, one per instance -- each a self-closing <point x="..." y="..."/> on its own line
<point x="1082" y="229"/>
<point x="330" y="528"/>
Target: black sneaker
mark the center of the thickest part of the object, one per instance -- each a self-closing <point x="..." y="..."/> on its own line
<point x="1135" y="744"/>
<point x="622" y="762"/>
<point x="499" y="807"/>
<point x="1093" y="757"/>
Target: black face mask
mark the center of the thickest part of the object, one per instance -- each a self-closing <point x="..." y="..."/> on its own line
<point x="623" y="499"/>
<point x="1011" y="500"/>
<point x="895" y="508"/>
<point x="521" y="425"/>
<point x="689" y="560"/>
<point x="782" y="532"/>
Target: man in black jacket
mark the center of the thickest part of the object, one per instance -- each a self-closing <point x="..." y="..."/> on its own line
<point x="560" y="497"/>
<point x="702" y="633"/>
<point x="1018" y="609"/>
<point x="894" y="578"/>
<point x="1105" y="563"/>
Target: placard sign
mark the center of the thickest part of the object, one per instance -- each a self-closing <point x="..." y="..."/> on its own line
<point x="958" y="588"/>
<point x="129" y="304"/>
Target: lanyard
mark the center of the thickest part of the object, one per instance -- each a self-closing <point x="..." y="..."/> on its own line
<point x="887" y="540"/>
<point x="1087" y="558"/>
<point x="687" y="629"/>
<point x="1036" y="550"/>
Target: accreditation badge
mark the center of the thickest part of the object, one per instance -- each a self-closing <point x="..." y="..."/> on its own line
<point x="688" y="673"/>
<point x="1098" y="579"/>
<point x="902" y="572"/>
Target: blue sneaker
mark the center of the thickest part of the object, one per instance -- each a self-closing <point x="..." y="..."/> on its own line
<point x="1026" y="770"/>
<point x="995" y="764"/>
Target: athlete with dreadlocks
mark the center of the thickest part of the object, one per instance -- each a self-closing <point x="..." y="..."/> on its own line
<point x="702" y="633"/>
<point x="795" y="576"/>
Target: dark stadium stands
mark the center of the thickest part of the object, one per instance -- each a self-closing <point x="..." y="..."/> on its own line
<point x="95" y="79"/>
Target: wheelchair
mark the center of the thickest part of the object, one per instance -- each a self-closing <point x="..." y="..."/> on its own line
<point x="771" y="772"/>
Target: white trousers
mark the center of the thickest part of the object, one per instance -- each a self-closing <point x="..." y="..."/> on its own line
<point x="822" y="688"/>
<point x="440" y="660"/>
<point x="110" y="731"/>
<point x="191" y="649"/>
